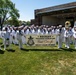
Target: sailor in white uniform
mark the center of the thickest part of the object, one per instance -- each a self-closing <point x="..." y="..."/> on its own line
<point x="71" y="35"/>
<point x="67" y="38"/>
<point x="19" y="38"/>
<point x="46" y="30"/>
<point x="67" y="34"/>
<point x="74" y="34"/>
<point x="59" y="32"/>
<point x="40" y="31"/>
<point x="49" y="30"/>
<point x="14" y="35"/>
<point x="11" y="37"/>
<point x="6" y="38"/>
<point x="27" y="31"/>
<point x="23" y="38"/>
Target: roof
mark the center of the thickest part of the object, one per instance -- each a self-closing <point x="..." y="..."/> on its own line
<point x="56" y="8"/>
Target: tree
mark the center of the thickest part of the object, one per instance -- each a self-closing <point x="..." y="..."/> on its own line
<point x="28" y="23"/>
<point x="7" y="10"/>
<point x="14" y="22"/>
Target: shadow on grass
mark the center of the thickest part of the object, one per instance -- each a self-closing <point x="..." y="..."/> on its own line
<point x="23" y="49"/>
<point x="40" y="50"/>
<point x="1" y="43"/>
<point x="62" y="49"/>
<point x="3" y="46"/>
<point x="10" y="50"/>
<point x="70" y="49"/>
<point x="1" y="52"/>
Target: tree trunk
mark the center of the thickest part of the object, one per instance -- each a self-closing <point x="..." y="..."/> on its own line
<point x="0" y="24"/>
<point x="1" y="27"/>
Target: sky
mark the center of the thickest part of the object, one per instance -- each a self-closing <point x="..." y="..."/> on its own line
<point x="26" y="7"/>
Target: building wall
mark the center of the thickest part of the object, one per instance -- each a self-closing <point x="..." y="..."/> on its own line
<point x="49" y="20"/>
<point x="62" y="21"/>
<point x="75" y="19"/>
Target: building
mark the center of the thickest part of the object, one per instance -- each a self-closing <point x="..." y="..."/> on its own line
<point x="32" y="21"/>
<point x="56" y="14"/>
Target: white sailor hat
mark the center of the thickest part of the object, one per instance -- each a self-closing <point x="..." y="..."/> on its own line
<point x="60" y="25"/>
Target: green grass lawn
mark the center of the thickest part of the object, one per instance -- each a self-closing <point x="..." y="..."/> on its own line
<point x="38" y="61"/>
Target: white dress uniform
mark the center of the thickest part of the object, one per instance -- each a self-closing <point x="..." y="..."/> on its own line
<point x="74" y="35"/>
<point x="27" y="32"/>
<point x="59" y="38"/>
<point x="39" y="31"/>
<point x="57" y="32"/>
<point x="46" y="31"/>
<point x="6" y="38"/>
<point x="14" y="35"/>
<point x="11" y="37"/>
<point x="67" y="38"/>
<point x="36" y="31"/>
<point x="23" y="38"/>
<point x="19" y="38"/>
<point x="63" y="30"/>
<point x="33" y="31"/>
<point x="52" y="31"/>
<point x="49" y="32"/>
<point x="71" y="36"/>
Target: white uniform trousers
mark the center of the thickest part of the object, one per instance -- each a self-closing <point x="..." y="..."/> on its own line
<point x="67" y="42"/>
<point x="20" y="43"/>
<point x="5" y="41"/>
<point x="11" y="39"/>
<point x="59" y="42"/>
<point x="75" y="43"/>
<point x="23" y="40"/>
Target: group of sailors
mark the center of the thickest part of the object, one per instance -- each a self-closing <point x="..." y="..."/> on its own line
<point x="17" y="35"/>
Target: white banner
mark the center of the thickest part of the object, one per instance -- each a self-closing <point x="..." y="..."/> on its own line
<point x="41" y="40"/>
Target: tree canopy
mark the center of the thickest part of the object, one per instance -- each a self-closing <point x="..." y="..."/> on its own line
<point x="8" y="10"/>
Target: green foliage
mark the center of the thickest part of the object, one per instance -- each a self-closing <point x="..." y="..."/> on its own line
<point x="7" y="10"/>
<point x="24" y="22"/>
<point x="14" y="22"/>
<point x="28" y="23"/>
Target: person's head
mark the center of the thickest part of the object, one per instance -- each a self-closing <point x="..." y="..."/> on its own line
<point x="60" y="26"/>
<point x="67" y="28"/>
<point x="6" y="29"/>
<point x="70" y="28"/>
<point x="57" y="27"/>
